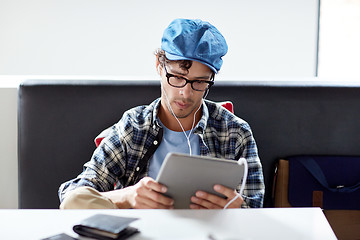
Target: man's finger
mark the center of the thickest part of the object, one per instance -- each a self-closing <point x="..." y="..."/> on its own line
<point x="159" y="198"/>
<point x="228" y="192"/>
<point x="210" y="200"/>
<point x="204" y="203"/>
<point x="150" y="203"/>
<point x="153" y="185"/>
<point x="195" y="206"/>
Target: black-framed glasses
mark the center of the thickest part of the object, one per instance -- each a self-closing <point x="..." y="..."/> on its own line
<point x="179" y="82"/>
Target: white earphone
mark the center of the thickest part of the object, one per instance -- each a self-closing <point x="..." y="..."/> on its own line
<point x="187" y="136"/>
<point x="240" y="161"/>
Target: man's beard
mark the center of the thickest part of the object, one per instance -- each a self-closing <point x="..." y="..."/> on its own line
<point x="182" y="115"/>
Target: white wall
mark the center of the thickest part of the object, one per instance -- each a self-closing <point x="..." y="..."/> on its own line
<point x="274" y="38"/>
<point x="114" y="38"/>
<point x="339" y="40"/>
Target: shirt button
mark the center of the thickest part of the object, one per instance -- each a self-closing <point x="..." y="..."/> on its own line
<point x="137" y="169"/>
<point x="155" y="142"/>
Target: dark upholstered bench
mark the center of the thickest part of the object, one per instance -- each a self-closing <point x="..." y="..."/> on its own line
<point x="58" y="121"/>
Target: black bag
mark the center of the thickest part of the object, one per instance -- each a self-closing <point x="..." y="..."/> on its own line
<point x="329" y="182"/>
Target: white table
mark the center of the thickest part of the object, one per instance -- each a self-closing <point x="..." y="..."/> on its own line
<point x="267" y="223"/>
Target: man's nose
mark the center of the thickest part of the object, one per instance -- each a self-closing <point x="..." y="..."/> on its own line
<point x="186" y="91"/>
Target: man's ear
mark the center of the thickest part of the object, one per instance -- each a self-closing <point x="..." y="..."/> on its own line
<point x="158" y="66"/>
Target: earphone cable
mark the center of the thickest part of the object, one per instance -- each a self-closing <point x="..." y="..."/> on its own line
<point x="192" y="127"/>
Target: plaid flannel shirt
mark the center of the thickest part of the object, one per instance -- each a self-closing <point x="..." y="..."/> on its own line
<point x="122" y="158"/>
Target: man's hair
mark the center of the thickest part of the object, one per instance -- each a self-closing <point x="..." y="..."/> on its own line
<point x="160" y="55"/>
<point x="183" y="64"/>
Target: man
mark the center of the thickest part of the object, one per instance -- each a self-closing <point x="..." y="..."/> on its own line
<point x="122" y="169"/>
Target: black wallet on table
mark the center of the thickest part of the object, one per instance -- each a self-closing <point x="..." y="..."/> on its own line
<point x="106" y="227"/>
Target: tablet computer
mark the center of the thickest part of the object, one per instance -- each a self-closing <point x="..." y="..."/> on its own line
<point x="183" y="175"/>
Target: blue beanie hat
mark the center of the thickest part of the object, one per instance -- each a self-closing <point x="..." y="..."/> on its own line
<point x="195" y="40"/>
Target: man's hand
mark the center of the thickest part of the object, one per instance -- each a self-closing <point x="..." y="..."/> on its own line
<point x="146" y="194"/>
<point x="204" y="200"/>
